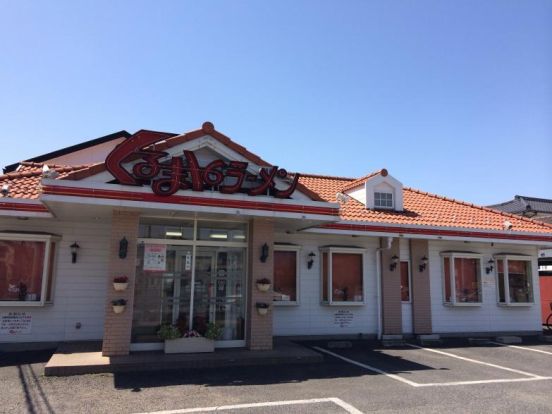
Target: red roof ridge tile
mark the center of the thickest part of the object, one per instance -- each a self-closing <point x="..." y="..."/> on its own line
<point x="322" y="176"/>
<point x="483" y="208"/>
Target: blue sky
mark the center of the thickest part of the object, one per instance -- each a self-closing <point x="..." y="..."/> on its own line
<point x="452" y="97"/>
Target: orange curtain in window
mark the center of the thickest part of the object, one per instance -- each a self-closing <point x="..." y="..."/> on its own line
<point x="467" y="284"/>
<point x="285" y="275"/>
<point x="347" y="277"/>
<point x="21" y="265"/>
<point x="325" y="276"/>
<point x="446" y="265"/>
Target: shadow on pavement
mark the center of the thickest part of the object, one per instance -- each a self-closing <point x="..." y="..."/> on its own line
<point x="8" y="359"/>
<point x="331" y="368"/>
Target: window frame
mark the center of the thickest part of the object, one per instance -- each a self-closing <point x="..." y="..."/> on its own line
<point x="297" y="250"/>
<point x="506" y="258"/>
<point x="49" y="240"/>
<point x="391" y="207"/>
<point x="409" y="281"/>
<point x="460" y="255"/>
<point x="346" y="250"/>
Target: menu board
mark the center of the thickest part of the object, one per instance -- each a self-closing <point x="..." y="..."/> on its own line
<point x="155" y="257"/>
<point x="343" y="318"/>
<point x="13" y="323"/>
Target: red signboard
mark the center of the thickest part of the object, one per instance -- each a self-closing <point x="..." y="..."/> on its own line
<point x="166" y="177"/>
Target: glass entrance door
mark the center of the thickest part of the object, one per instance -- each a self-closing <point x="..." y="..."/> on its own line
<point x="162" y="296"/>
<point x="190" y="281"/>
<point x="219" y="291"/>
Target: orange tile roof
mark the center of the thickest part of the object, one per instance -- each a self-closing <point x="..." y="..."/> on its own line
<point x="420" y="208"/>
<point x="24" y="183"/>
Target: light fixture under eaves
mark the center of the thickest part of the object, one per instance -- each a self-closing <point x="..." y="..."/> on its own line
<point x="170" y="233"/>
<point x="223" y="236"/>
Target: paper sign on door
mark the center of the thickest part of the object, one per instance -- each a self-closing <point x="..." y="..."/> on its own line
<point x="155" y="257"/>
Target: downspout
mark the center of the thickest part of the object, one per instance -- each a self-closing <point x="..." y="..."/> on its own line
<point x="378" y="281"/>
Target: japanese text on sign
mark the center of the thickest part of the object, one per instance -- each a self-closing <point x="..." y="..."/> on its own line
<point x="13" y="323"/>
<point x="185" y="173"/>
<point x="343" y="318"/>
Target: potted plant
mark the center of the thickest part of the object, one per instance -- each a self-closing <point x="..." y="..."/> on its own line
<point x="263" y="284"/>
<point x="120" y="283"/>
<point x="262" y="308"/>
<point x="189" y="341"/>
<point x="119" y="305"/>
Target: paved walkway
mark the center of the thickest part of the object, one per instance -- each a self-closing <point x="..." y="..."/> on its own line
<point x="86" y="358"/>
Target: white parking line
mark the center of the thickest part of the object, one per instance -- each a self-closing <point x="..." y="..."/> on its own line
<point x="493" y="381"/>
<point x="532" y="377"/>
<point x="476" y="361"/>
<point x="521" y="347"/>
<point x="347" y="407"/>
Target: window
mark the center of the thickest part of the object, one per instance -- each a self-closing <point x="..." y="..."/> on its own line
<point x="383" y="200"/>
<point x="218" y="231"/>
<point x="190" y="230"/>
<point x="342" y="276"/>
<point x="461" y="278"/>
<point x="514" y="280"/>
<point x="405" y="281"/>
<point x="26" y="269"/>
<point x="286" y="272"/>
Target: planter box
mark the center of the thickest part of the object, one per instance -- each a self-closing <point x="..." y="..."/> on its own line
<point x="263" y="287"/>
<point x="120" y="286"/>
<point x="189" y="345"/>
<point x="262" y="311"/>
<point x="119" y="308"/>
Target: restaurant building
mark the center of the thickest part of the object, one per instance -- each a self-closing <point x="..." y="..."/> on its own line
<point x="193" y="222"/>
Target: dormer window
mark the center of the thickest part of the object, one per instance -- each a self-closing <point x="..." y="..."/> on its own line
<point x="377" y="191"/>
<point x="383" y="200"/>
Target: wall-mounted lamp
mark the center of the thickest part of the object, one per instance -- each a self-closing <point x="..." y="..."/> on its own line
<point x="123" y="248"/>
<point x="74" y="249"/>
<point x="311" y="260"/>
<point x="264" y="253"/>
<point x="393" y="263"/>
<point x="423" y="263"/>
<point x="490" y="266"/>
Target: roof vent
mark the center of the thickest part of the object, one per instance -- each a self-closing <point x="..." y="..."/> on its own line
<point x="48" y="173"/>
<point x="342" y="198"/>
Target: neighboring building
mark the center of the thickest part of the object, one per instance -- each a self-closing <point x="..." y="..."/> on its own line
<point x="531" y="207"/>
<point x="538" y="209"/>
<point x="194" y="221"/>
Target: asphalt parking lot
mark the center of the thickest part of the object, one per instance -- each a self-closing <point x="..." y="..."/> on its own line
<point x="453" y="377"/>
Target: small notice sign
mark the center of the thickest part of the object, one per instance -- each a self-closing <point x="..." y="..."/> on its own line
<point x="343" y="318"/>
<point x="155" y="257"/>
<point x="188" y="261"/>
<point x="14" y="323"/>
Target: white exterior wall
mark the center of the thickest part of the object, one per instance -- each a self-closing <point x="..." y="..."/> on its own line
<point x="489" y="317"/>
<point x="310" y="317"/>
<point x="79" y="288"/>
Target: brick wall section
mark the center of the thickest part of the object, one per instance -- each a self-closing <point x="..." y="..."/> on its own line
<point x="421" y="299"/>
<point x="117" y="327"/>
<point x="391" y="290"/>
<point x="259" y="332"/>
